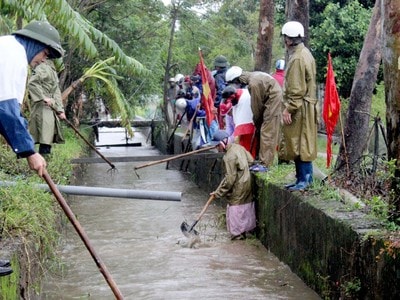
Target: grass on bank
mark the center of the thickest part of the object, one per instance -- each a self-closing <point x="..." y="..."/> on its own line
<point x="374" y="205"/>
<point x="29" y="215"/>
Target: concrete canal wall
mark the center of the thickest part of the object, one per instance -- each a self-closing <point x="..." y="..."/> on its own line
<point x="336" y="251"/>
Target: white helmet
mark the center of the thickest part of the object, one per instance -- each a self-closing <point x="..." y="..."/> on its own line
<point x="280" y="64"/>
<point x="179" y="78"/>
<point x="181" y="104"/>
<point x="232" y="73"/>
<point x="293" y="29"/>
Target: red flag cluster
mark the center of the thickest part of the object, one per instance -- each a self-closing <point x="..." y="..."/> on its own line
<point x="331" y="110"/>
<point x="206" y="97"/>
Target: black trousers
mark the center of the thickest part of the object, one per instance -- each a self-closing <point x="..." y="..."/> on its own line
<point x="44" y="149"/>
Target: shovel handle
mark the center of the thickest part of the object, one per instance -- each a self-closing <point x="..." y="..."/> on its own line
<point x="211" y="199"/>
<point x="85" y="140"/>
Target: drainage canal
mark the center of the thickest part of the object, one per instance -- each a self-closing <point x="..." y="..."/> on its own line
<point x="147" y="255"/>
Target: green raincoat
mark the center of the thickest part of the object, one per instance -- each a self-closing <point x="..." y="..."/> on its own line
<point x="44" y="124"/>
<point x="236" y="185"/>
<point x="299" y="97"/>
<point x="266" y="105"/>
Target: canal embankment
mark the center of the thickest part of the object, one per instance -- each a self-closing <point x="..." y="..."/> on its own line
<point x="327" y="238"/>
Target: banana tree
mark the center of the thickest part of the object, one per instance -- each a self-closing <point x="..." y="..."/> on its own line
<point x="74" y="28"/>
<point x="77" y="33"/>
<point x="104" y="71"/>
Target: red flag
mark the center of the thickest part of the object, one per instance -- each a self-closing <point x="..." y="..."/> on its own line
<point x="331" y="109"/>
<point x="206" y="97"/>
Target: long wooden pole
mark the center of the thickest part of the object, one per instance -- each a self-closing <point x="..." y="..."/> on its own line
<point x="211" y="199"/>
<point x="86" y="141"/>
<point x="174" y="157"/>
<point x="83" y="236"/>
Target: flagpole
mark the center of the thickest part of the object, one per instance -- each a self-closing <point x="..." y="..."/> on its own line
<point x="346" y="158"/>
<point x="331" y="109"/>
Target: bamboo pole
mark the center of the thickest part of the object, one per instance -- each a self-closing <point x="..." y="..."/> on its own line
<point x="83" y="236"/>
<point x="86" y="141"/>
<point x="174" y="157"/>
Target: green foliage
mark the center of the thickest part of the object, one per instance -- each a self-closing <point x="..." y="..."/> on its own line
<point x="10" y="165"/>
<point x="140" y="28"/>
<point x="378" y="207"/>
<point x="342" y="34"/>
<point x="27" y="211"/>
<point x="59" y="166"/>
<point x="351" y="288"/>
<point x="102" y="76"/>
<point x="73" y="26"/>
<point x="378" y="105"/>
<point x="318" y="6"/>
<point x="9" y="288"/>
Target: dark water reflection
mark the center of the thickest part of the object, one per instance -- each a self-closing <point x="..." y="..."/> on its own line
<point x="143" y="248"/>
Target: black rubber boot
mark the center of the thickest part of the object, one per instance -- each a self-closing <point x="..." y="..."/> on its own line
<point x="4" y="263"/>
<point x="44" y="149"/>
<point x="4" y="271"/>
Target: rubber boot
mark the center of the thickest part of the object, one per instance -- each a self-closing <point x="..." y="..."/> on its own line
<point x="309" y="172"/>
<point x="44" y="149"/>
<point x="305" y="176"/>
<point x="296" y="163"/>
<point x="4" y="271"/>
<point x="4" y="263"/>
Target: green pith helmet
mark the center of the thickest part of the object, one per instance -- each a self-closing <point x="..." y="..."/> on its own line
<point x="43" y="32"/>
<point x="220" y="61"/>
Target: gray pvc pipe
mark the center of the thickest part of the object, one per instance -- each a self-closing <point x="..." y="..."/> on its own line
<point x="109" y="192"/>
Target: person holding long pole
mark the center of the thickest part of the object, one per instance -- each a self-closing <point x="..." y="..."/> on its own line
<point x="32" y="45"/>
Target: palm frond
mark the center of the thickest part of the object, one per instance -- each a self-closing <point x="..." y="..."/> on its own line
<point x="80" y="32"/>
<point x="104" y="72"/>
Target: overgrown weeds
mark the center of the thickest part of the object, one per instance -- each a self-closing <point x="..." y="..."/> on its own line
<point x="31" y="215"/>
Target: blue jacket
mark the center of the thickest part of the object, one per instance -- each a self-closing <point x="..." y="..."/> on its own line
<point x="191" y="109"/>
<point x="13" y="127"/>
<point x="220" y="85"/>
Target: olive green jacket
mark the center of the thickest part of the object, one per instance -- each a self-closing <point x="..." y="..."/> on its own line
<point x="44" y="124"/>
<point x="236" y="185"/>
<point x="266" y="96"/>
<point x="300" y="98"/>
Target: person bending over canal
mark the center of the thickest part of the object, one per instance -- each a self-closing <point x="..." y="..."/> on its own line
<point x="236" y="186"/>
<point x="244" y="129"/>
<point x="266" y="105"/>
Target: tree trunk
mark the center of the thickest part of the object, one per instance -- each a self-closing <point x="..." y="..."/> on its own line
<point x="391" y="65"/>
<point x="356" y="129"/>
<point x="174" y="17"/>
<point x="299" y="11"/>
<point x="265" y="36"/>
<point x="74" y="86"/>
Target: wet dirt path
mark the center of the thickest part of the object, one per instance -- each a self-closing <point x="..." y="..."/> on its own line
<point x="147" y="255"/>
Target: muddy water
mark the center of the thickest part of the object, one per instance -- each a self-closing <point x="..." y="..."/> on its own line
<point x="144" y="250"/>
